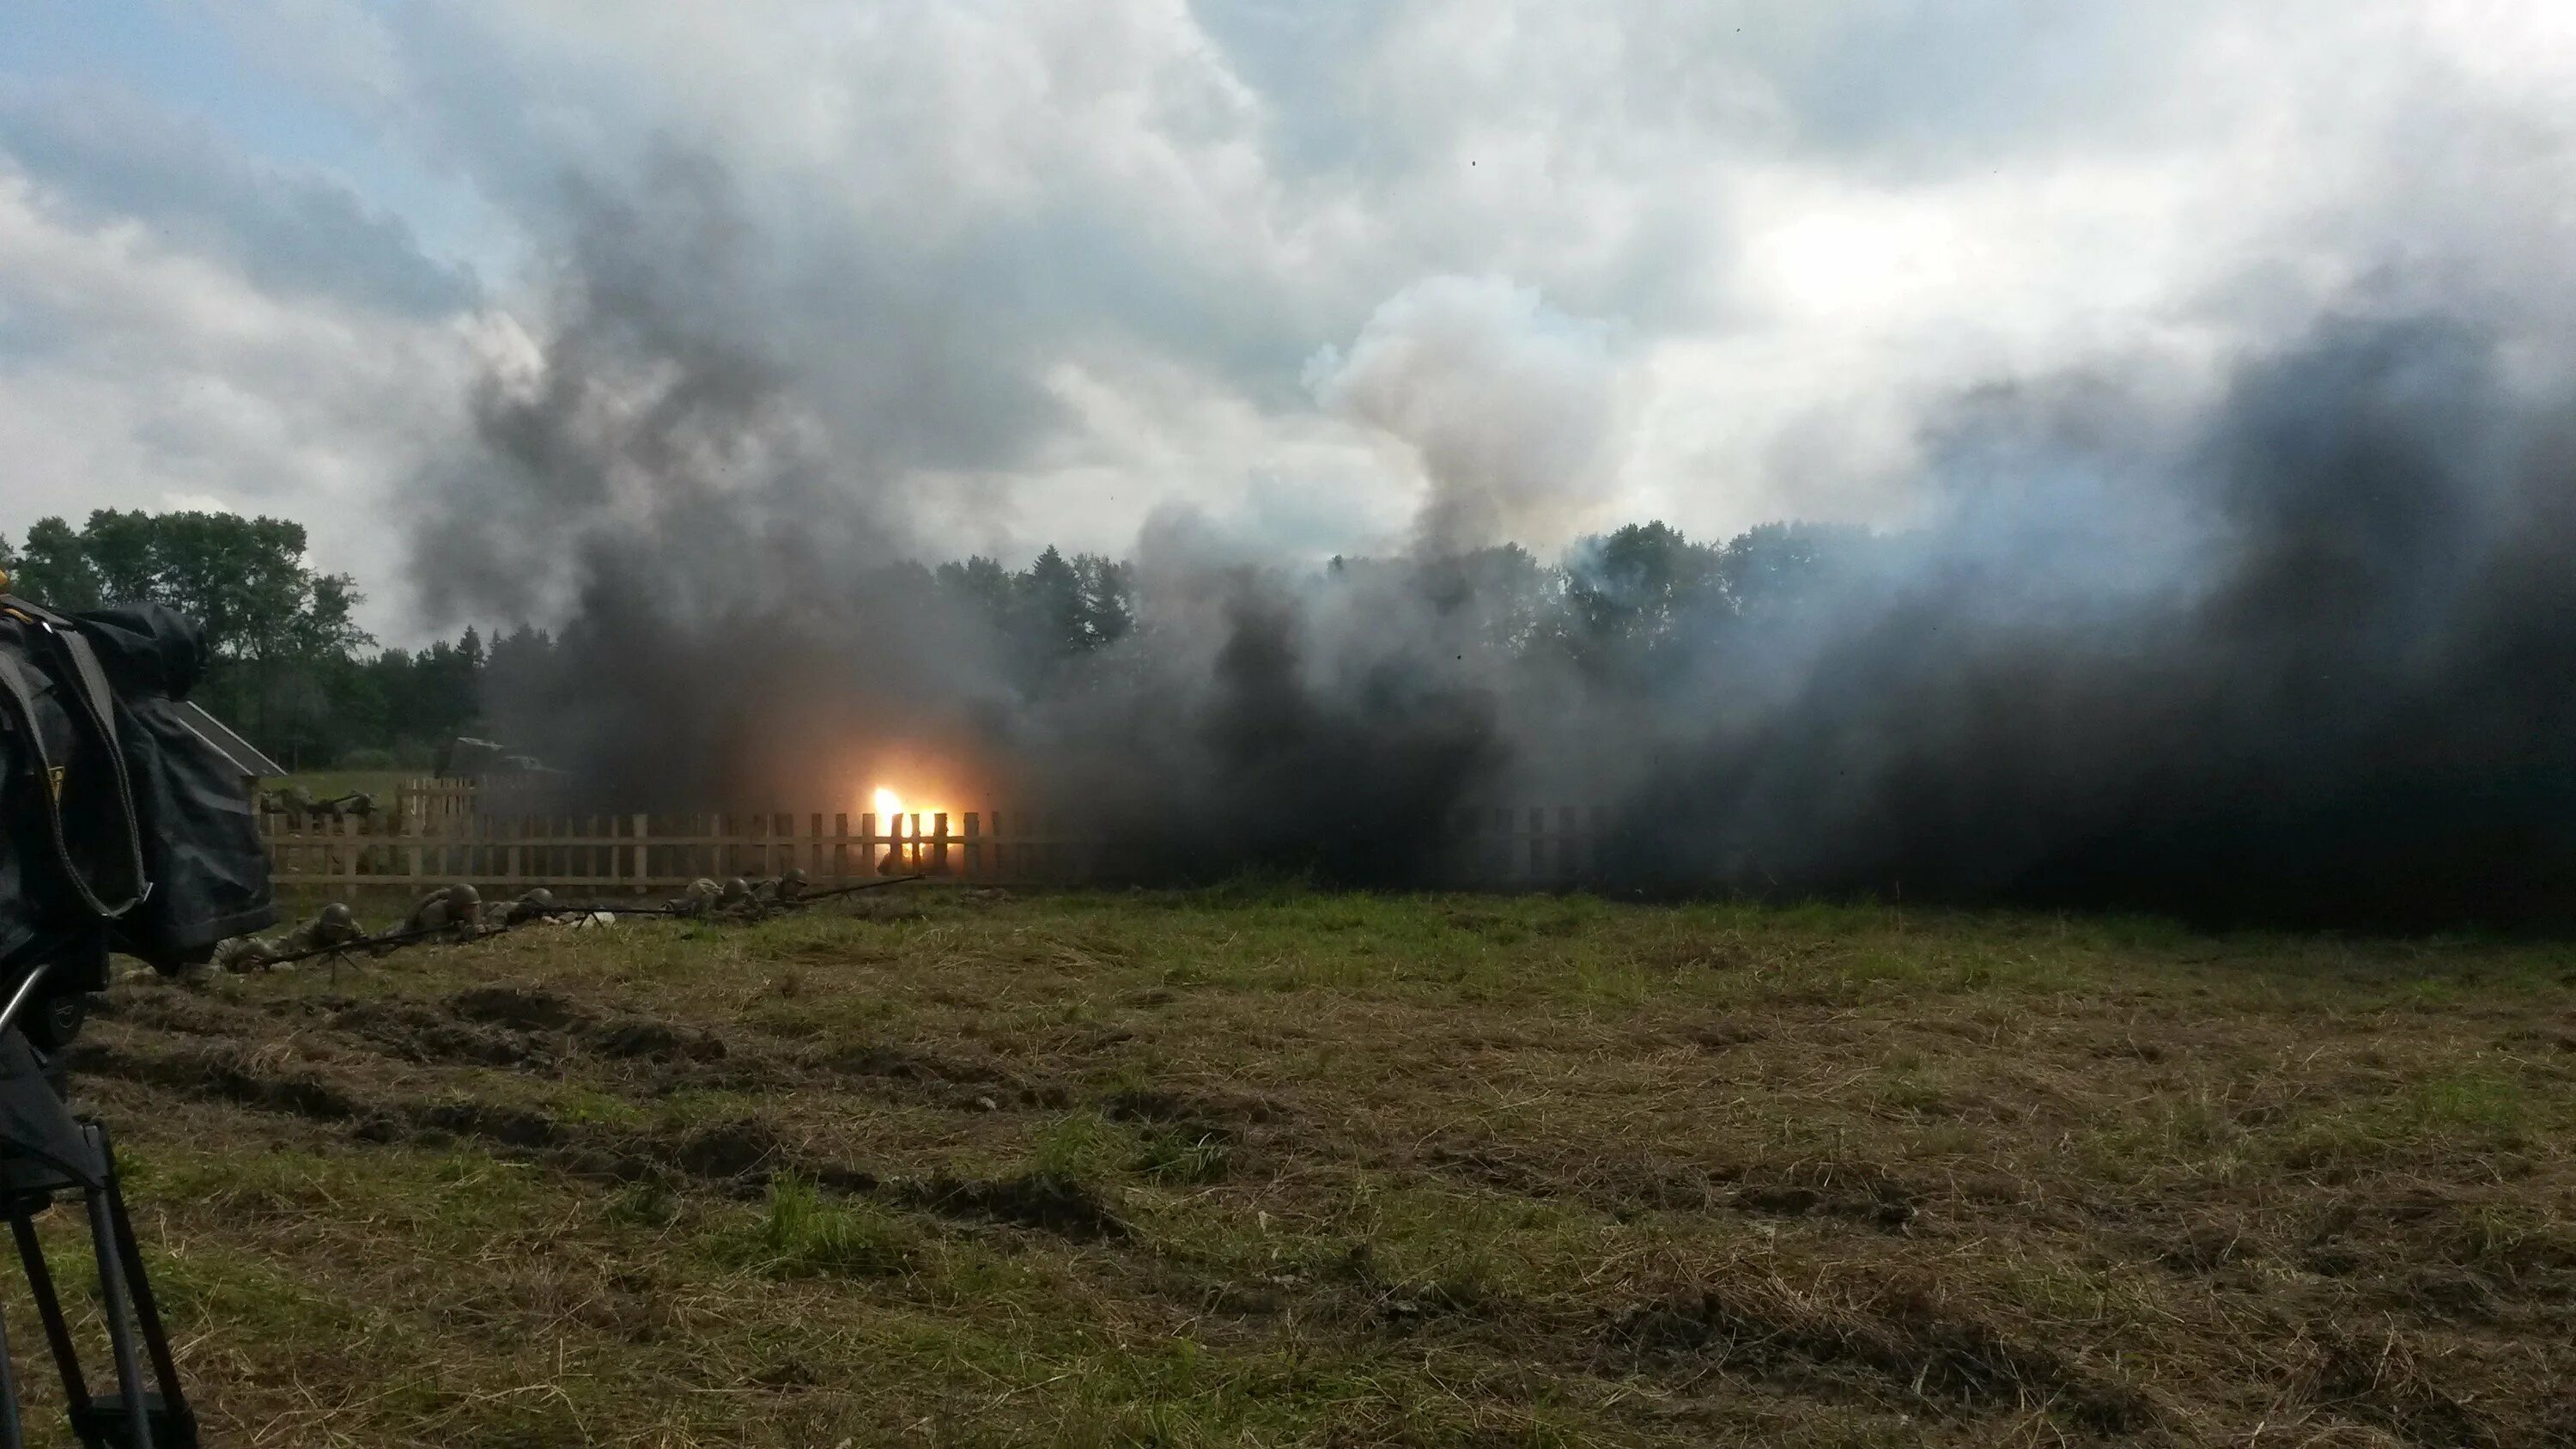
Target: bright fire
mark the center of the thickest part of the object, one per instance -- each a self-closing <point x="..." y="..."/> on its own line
<point x="907" y="826"/>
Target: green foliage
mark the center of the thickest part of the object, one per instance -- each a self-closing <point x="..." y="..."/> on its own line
<point x="802" y="1234"/>
<point x="1172" y="1156"/>
<point x="292" y="669"/>
<point x="276" y="629"/>
<point x="1051" y="613"/>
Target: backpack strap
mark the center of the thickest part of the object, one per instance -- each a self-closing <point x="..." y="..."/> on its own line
<point x="18" y="689"/>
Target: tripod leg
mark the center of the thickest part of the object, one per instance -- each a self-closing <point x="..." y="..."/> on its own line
<point x="117" y="1306"/>
<point x="49" y="1309"/>
<point x="12" y="1434"/>
<point x="175" y="1413"/>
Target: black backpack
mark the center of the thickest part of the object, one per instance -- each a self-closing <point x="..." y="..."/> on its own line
<point x="115" y="814"/>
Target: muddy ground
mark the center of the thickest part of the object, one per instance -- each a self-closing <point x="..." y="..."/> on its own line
<point x="1275" y="1167"/>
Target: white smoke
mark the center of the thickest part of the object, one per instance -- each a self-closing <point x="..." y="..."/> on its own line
<point x="1510" y="406"/>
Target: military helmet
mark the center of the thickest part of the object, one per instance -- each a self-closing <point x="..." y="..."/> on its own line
<point x="461" y="894"/>
<point x="337" y="916"/>
<point x="540" y="897"/>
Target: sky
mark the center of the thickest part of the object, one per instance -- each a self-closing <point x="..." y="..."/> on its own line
<point x="1317" y="277"/>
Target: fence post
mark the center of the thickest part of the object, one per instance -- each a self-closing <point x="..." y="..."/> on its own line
<point x="974" y="845"/>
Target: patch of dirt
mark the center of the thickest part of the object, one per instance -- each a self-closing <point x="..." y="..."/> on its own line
<point x="504" y="1126"/>
<point x="1621" y="1185"/>
<point x="1186" y="1109"/>
<point x="223" y="1074"/>
<point x="527" y="1009"/>
<point x="1047" y="1201"/>
<point x="1628" y="1185"/>
<point x="2383" y="1384"/>
<point x="1908" y="1343"/>
<point x="907" y="1064"/>
<point x="642" y="1038"/>
<point x="739" y="1149"/>
<point x="420" y="1034"/>
<point x="743" y="1154"/>
<point x="1859" y="1195"/>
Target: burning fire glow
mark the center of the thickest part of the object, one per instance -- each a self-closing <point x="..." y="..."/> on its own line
<point x="895" y="820"/>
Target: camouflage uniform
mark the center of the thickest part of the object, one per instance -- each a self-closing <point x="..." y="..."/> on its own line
<point x="697" y="900"/>
<point x="334" y="926"/>
<point x="457" y="908"/>
<point x="535" y="905"/>
<point x="290" y="800"/>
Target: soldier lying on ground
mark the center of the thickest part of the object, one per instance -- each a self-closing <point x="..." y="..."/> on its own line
<point x="457" y="908"/>
<point x="335" y="925"/>
<point x="296" y="800"/>
<point x="536" y="903"/>
<point x="288" y="800"/>
<point x="779" y="890"/>
<point x="697" y="900"/>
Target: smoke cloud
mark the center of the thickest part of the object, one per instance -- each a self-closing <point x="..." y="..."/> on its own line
<point x="1509" y="406"/>
<point x="2305" y="648"/>
<point x="2244" y="595"/>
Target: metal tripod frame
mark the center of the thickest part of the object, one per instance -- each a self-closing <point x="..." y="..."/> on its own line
<point x="47" y="1155"/>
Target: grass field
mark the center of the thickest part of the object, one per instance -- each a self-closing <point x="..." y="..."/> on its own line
<point x="330" y="784"/>
<point x="1282" y="1168"/>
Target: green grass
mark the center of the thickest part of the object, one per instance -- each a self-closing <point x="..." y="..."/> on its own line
<point x="1268" y="1165"/>
<point x="801" y="1233"/>
<point x="329" y="784"/>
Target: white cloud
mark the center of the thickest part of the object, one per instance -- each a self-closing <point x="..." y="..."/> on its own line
<point x="1039" y="269"/>
<point x="145" y="376"/>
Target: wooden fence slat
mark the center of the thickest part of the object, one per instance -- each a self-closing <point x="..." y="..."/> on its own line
<point x="1487" y="846"/>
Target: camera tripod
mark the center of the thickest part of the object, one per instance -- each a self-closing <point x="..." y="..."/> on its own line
<point x="48" y="1155"/>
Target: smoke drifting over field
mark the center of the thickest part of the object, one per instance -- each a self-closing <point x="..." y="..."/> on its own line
<point x="2303" y="647"/>
<point x="2246" y="592"/>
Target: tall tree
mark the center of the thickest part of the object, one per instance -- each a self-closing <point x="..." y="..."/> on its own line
<point x="275" y="628"/>
<point x="1631" y="591"/>
<point x="55" y="569"/>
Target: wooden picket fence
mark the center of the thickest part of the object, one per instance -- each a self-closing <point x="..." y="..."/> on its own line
<point x="436" y="834"/>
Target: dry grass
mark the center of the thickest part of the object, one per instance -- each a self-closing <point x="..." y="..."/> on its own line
<point x="1261" y="1166"/>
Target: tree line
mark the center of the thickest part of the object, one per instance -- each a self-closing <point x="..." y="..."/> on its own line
<point x="289" y="666"/>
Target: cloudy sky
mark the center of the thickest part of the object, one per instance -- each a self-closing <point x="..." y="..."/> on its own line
<point x="1333" y="276"/>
